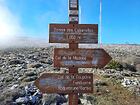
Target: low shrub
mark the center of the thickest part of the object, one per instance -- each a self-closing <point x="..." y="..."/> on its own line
<point x="114" y="65"/>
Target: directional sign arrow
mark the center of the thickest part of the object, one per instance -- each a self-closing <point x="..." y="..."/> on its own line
<point x="83" y="58"/>
<point x="65" y="83"/>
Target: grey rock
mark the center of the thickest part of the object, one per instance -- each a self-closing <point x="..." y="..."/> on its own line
<point x="107" y="75"/>
<point x="101" y="83"/>
<point x="31" y="73"/>
<point x="138" y="67"/>
<point x="29" y="79"/>
<point x="127" y="73"/>
<point x="50" y="61"/>
<point x="137" y="91"/>
<point x="9" y="78"/>
<point x="118" y="76"/>
<point x="15" y="62"/>
<point x="56" y="99"/>
<point x="22" y="100"/>
<point x="34" y="65"/>
<point x="14" y="86"/>
<point x="110" y="71"/>
<point x="129" y="67"/>
<point x="130" y="82"/>
<point x="87" y="100"/>
<point x="29" y="96"/>
<point x="43" y="61"/>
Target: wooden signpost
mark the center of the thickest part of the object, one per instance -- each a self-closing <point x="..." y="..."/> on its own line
<point x="65" y="83"/>
<point x="73" y="57"/>
<point x="73" y="33"/>
<point x="80" y="58"/>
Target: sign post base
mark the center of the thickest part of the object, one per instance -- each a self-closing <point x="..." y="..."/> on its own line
<point x="73" y="97"/>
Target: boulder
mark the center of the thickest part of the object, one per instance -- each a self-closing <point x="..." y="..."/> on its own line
<point x="54" y="99"/>
<point x="22" y="100"/>
<point x="101" y="83"/>
<point x="129" y="67"/>
<point x="49" y="61"/>
<point x="15" y="62"/>
<point x="30" y="73"/>
<point x="34" y="65"/>
<point x="138" y="68"/>
<point x="30" y="79"/>
<point x="14" y="86"/>
<point x="130" y="82"/>
<point x="9" y="78"/>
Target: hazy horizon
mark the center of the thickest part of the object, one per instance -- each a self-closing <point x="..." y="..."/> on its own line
<point x="24" y="41"/>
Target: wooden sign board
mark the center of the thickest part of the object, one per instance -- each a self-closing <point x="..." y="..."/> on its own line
<point x="73" y="4"/>
<point x="73" y="12"/>
<point x="81" y="58"/>
<point x="73" y="33"/>
<point x="65" y="83"/>
<point x="73" y="18"/>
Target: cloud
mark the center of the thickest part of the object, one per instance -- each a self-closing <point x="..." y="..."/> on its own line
<point x="9" y="24"/>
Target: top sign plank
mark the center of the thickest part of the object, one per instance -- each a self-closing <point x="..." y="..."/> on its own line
<point x="73" y="33"/>
<point x="73" y="4"/>
<point x="73" y="12"/>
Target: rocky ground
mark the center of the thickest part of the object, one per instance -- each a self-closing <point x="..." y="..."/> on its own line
<point x="117" y="84"/>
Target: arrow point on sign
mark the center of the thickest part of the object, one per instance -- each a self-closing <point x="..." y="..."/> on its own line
<point x="107" y="58"/>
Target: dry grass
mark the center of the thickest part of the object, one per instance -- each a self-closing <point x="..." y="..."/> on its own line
<point x="115" y="94"/>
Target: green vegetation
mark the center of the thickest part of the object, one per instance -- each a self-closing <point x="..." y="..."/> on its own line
<point x="114" y="65"/>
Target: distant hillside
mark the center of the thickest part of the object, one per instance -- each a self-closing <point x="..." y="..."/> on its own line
<point x="24" y="42"/>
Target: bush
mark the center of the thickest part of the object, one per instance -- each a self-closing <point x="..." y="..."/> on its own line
<point x="114" y="65"/>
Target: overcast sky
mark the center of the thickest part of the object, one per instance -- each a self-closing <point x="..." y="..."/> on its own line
<point x="30" y="18"/>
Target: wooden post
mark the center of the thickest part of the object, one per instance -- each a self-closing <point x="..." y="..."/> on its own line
<point x="73" y="19"/>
